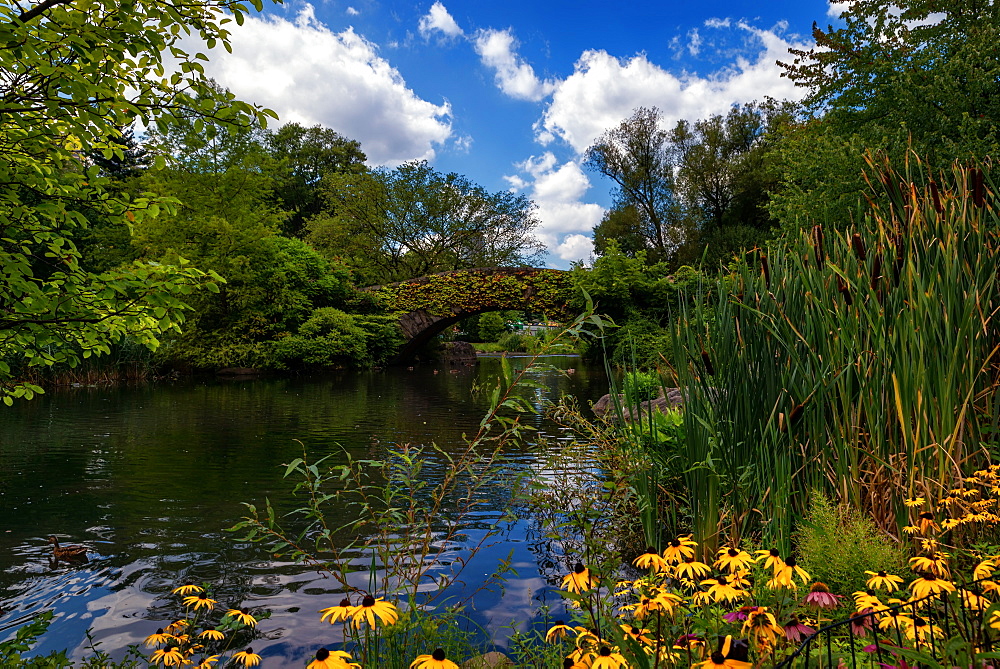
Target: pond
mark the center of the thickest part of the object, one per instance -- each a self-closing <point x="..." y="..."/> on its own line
<point x="148" y="479"/>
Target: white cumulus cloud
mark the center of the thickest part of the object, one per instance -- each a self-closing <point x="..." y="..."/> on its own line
<point x="438" y="19"/>
<point x="558" y="190"/>
<point x="498" y="50"/>
<point x="310" y="74"/>
<point x="603" y="90"/>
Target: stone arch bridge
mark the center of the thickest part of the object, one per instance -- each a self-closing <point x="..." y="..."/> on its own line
<point x="427" y="305"/>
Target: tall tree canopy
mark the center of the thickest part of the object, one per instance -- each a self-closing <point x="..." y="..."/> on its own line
<point x="72" y="74"/>
<point x="640" y="159"/>
<point x="413" y="220"/>
<point x="918" y="74"/>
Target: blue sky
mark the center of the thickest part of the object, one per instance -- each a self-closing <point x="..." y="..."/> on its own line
<point x="511" y="94"/>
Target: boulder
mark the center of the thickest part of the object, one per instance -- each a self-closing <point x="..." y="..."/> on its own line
<point x="671" y="398"/>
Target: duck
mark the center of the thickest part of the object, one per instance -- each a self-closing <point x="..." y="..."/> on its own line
<point x="67" y="553"/>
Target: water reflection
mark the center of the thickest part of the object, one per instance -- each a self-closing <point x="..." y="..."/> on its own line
<point x="148" y="477"/>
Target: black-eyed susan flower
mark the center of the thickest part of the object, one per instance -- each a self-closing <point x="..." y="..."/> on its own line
<point x="881" y="579"/>
<point x="984" y="569"/>
<point x="866" y="599"/>
<point x="679" y="549"/>
<point x="651" y="560"/>
<point x="936" y="564"/>
<point x="662" y="603"/>
<point x="919" y="629"/>
<point x="762" y="627"/>
<point x="247" y="658"/>
<point x="637" y="634"/>
<point x="772" y="559"/>
<point x="211" y="634"/>
<point x="177" y="627"/>
<point x="929" y="584"/>
<point x="242" y="616"/>
<point x="820" y="596"/>
<point x="724" y="658"/>
<point x="435" y="660"/>
<point x="337" y="659"/>
<point x="372" y="608"/>
<point x="558" y="631"/>
<point x="692" y="569"/>
<point x="158" y="638"/>
<point x="926" y="523"/>
<point x="341" y="611"/>
<point x="187" y="589"/>
<point x="893" y="619"/>
<point x="200" y="601"/>
<point x="914" y="501"/>
<point x="578" y="580"/>
<point x="207" y="662"/>
<point x="733" y="560"/>
<point x="785" y="577"/>
<point x="689" y="642"/>
<point x="995" y="620"/>
<point x="608" y="658"/>
<point x="973" y="601"/>
<point x="721" y="590"/>
<point x="168" y="656"/>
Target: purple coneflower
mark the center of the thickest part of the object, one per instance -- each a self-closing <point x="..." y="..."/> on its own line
<point x="820" y="596"/>
<point x="739" y="614"/>
<point x="861" y="622"/>
<point x="795" y="630"/>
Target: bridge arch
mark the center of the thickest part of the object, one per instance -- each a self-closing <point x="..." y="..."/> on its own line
<point x="428" y="305"/>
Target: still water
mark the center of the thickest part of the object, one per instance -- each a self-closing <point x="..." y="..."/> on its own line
<point x="148" y="479"/>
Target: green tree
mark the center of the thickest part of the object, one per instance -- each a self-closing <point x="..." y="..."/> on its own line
<point x="640" y="159"/>
<point x="304" y="156"/>
<point x="74" y="73"/>
<point x="622" y="226"/>
<point x="918" y="74"/>
<point x="413" y="220"/>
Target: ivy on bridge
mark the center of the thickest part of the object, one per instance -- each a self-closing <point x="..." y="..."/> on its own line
<point x="427" y="305"/>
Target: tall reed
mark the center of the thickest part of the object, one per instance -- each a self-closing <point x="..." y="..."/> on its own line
<point x="860" y="362"/>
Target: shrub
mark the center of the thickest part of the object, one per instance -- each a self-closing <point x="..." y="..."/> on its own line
<point x="837" y="544"/>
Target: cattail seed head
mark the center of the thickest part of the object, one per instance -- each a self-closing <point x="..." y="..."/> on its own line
<point x="818" y="247"/>
<point x="936" y="198"/>
<point x="844" y="291"/>
<point x="858" y="245"/>
<point x="709" y="367"/>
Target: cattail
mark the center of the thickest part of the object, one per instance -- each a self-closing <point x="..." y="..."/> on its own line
<point x="936" y="197"/>
<point x="796" y="413"/>
<point x="818" y="247"/>
<point x="890" y="186"/>
<point x="766" y="269"/>
<point x="978" y="195"/>
<point x="709" y="367"/>
<point x="782" y="427"/>
<point x="845" y="291"/>
<point x="897" y="267"/>
<point x="876" y="276"/>
<point x="858" y="245"/>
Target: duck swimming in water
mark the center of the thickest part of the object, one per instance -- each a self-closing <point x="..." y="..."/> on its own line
<point x="67" y="553"/>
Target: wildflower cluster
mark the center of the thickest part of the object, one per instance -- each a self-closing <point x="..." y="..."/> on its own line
<point x="202" y="638"/>
<point x="745" y="608"/>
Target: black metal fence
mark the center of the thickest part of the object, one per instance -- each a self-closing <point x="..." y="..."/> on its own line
<point x="950" y="628"/>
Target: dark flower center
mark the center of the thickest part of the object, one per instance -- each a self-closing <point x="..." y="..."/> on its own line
<point x="244" y="612"/>
<point x="345" y="602"/>
<point x="605" y="652"/>
<point x="775" y="553"/>
<point x="159" y="630"/>
<point x="368" y="601"/>
<point x="929" y="576"/>
<point x="790" y="561"/>
<point x="568" y="663"/>
<point x="722" y="580"/>
<point x="579" y="568"/>
<point x="635" y="630"/>
<point x="718" y="658"/>
<point x="675" y="544"/>
<point x="918" y="621"/>
<point x="927" y="515"/>
<point x="650" y="549"/>
<point x="560" y="622"/>
<point x="882" y="574"/>
<point x="819" y="587"/>
<point x="438" y="654"/>
<point x="733" y="552"/>
<point x="322" y="654"/>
